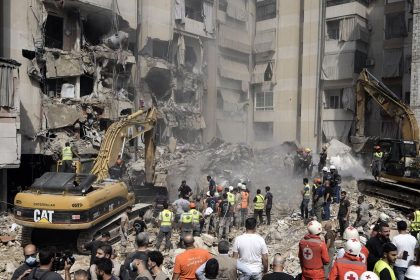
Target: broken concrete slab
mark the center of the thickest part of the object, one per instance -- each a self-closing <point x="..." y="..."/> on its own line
<point x="61" y="64"/>
<point x="61" y="115"/>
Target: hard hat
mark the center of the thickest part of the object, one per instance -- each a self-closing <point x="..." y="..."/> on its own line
<point x="219" y="188"/>
<point x="243" y="187"/>
<point x="239" y="185"/>
<point x="332" y="167"/>
<point x="377" y="147"/>
<point x="314" y="227"/>
<point x="192" y="205"/>
<point x="208" y="193"/>
<point x="325" y="169"/>
<point x="368" y="275"/>
<point x="353" y="247"/>
<point x="350" y="233"/>
<point x="307" y="150"/>
<point x="317" y="180"/>
<point x="230" y="188"/>
<point x="216" y="194"/>
<point x="383" y="217"/>
<point x="413" y="272"/>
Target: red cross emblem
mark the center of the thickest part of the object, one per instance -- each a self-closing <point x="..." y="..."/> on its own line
<point x="367" y="276"/>
<point x="351" y="275"/>
<point x="307" y="253"/>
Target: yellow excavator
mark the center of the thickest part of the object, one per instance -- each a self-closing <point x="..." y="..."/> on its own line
<point x="75" y="206"/>
<point x="399" y="179"/>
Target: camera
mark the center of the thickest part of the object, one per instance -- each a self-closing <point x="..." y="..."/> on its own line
<point x="61" y="258"/>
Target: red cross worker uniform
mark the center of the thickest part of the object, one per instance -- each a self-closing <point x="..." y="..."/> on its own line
<point x="349" y="267"/>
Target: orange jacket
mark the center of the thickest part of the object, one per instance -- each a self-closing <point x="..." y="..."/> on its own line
<point x="313" y="253"/>
<point x="347" y="267"/>
<point x="244" y="201"/>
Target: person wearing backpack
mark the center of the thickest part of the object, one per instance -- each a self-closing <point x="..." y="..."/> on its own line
<point x="224" y="211"/>
<point x="44" y="271"/>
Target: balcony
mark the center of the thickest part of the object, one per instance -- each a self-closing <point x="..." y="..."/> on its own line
<point x="340" y="2"/>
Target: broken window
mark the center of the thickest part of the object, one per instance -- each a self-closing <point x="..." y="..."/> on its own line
<point x="268" y="73"/>
<point x="159" y="81"/>
<point x="264" y="101"/>
<point x="194" y="10"/>
<point x="86" y="85"/>
<point x="263" y="131"/>
<point x="95" y="27"/>
<point x="53" y="35"/>
<point x="359" y="61"/>
<point x="333" y="29"/>
<point x="266" y="9"/>
<point x="160" y="48"/>
<point x="190" y="58"/>
<point x="395" y="26"/>
<point x="333" y="99"/>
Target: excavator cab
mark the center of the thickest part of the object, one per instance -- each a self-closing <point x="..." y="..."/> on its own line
<point x="398" y="155"/>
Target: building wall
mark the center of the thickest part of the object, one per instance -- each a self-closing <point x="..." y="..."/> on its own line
<point x="415" y="66"/>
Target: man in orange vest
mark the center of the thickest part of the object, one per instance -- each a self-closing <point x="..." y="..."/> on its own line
<point x="350" y="266"/>
<point x="244" y="204"/>
<point x="313" y="253"/>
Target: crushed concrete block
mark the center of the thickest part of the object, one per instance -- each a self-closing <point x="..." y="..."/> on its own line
<point x="208" y="239"/>
<point x="61" y="115"/>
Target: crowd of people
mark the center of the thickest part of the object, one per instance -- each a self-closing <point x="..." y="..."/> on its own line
<point x="225" y="208"/>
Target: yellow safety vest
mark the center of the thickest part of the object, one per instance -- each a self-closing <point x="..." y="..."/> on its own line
<point x="378" y="154"/>
<point x="67" y="154"/>
<point x="415" y="224"/>
<point x="259" y="204"/>
<point x="307" y="193"/>
<point x="195" y="216"/>
<point x="381" y="265"/>
<point x="186" y="218"/>
<point x="231" y="198"/>
<point x="166" y="218"/>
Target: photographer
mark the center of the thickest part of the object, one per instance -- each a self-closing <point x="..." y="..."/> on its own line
<point x="47" y="257"/>
<point x="29" y="252"/>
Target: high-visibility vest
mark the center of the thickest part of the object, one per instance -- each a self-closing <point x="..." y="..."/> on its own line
<point x="67" y="154"/>
<point x="378" y="155"/>
<point x="231" y="198"/>
<point x="166" y="217"/>
<point x="307" y="192"/>
<point x="259" y="204"/>
<point x="195" y="216"/>
<point x="415" y="224"/>
<point x="244" y="202"/>
<point x="381" y="265"/>
<point x="186" y="218"/>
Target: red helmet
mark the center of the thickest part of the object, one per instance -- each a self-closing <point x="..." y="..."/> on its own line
<point x="377" y="147"/>
<point x="219" y="188"/>
<point x="317" y="180"/>
<point x="192" y="205"/>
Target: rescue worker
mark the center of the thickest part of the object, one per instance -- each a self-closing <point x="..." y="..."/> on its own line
<point x="369" y="275"/>
<point x="117" y="171"/>
<point x="67" y="158"/>
<point x="362" y="211"/>
<point x="306" y="197"/>
<point x="231" y="199"/>
<point x="313" y="253"/>
<point x="210" y="210"/>
<point x="307" y="162"/>
<point x="326" y="175"/>
<point x="124" y="229"/>
<point x="349" y="266"/>
<point x="166" y="218"/>
<point x="237" y="208"/>
<point x="224" y="214"/>
<point x="184" y="190"/>
<point x="318" y="198"/>
<point x="244" y="204"/>
<point x="377" y="162"/>
<point x="322" y="159"/>
<point x="383" y="267"/>
<point x="335" y="183"/>
<point x="186" y="224"/>
<point x="196" y="218"/>
<point x="259" y="206"/>
<point x="353" y="233"/>
<point x="298" y="162"/>
<point x="415" y="223"/>
<point x="268" y="200"/>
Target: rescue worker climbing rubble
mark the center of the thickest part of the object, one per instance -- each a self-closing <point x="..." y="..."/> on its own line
<point x="313" y="253"/>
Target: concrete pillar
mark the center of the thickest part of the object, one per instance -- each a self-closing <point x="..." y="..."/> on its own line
<point x="415" y="61"/>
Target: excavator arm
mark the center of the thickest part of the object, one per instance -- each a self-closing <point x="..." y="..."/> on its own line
<point x="119" y="133"/>
<point x="368" y="85"/>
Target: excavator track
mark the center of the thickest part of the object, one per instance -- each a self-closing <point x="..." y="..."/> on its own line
<point x="391" y="192"/>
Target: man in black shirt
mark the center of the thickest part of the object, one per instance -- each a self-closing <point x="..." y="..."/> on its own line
<point x="95" y="244"/>
<point x="212" y="183"/>
<point x="328" y="196"/>
<point x="278" y="266"/>
<point x="29" y="252"/>
<point x="343" y="212"/>
<point x="44" y="271"/>
<point x="268" y="204"/>
<point x="139" y="225"/>
<point x="374" y="245"/>
<point x="142" y="242"/>
<point x="184" y="190"/>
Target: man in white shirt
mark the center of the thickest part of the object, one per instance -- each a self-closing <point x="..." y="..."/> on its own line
<point x="406" y="245"/>
<point x="250" y="249"/>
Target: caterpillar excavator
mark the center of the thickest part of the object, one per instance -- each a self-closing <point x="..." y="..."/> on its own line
<point x="74" y="206"/>
<point x="398" y="182"/>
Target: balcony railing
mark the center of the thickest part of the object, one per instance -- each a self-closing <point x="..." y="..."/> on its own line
<point x="340" y="2"/>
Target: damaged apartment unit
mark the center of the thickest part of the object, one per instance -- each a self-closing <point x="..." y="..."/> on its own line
<point x="358" y="34"/>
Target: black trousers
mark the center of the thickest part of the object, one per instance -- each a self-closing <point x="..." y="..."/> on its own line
<point x="268" y="215"/>
<point x="259" y="213"/>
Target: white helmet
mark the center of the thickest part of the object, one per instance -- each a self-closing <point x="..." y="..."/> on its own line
<point x="216" y="194"/>
<point x="332" y="167"/>
<point x="368" y="275"/>
<point x="413" y="272"/>
<point x="243" y="187"/>
<point x="208" y="193"/>
<point x="350" y="233"/>
<point x="325" y="169"/>
<point x="353" y="247"/>
<point x="230" y="188"/>
<point x="239" y="185"/>
<point x="383" y="217"/>
<point x="314" y="227"/>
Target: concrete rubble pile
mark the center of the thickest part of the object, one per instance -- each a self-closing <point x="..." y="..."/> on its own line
<point x="10" y="249"/>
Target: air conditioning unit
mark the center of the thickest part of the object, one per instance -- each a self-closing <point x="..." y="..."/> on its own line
<point x="370" y="62"/>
